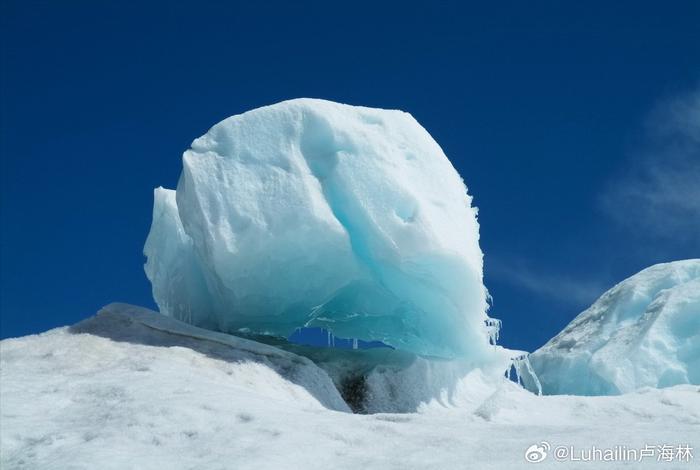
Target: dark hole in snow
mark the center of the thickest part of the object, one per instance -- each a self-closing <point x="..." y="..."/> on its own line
<point x="353" y="389"/>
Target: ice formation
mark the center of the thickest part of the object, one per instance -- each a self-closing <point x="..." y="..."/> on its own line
<point x="493" y="329"/>
<point x="645" y="331"/>
<point x="317" y="214"/>
<point x="524" y="373"/>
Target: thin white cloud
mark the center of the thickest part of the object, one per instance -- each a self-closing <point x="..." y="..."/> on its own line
<point x="564" y="289"/>
<point x="658" y="195"/>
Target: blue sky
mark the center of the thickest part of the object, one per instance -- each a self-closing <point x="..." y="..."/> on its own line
<point x="574" y="124"/>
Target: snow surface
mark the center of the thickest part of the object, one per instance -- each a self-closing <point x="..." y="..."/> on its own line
<point x="130" y="389"/>
<point x="645" y="331"/>
<point x="313" y="213"/>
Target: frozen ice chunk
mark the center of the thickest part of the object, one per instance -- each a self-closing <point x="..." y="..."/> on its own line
<point x="317" y="214"/>
<point x="177" y="279"/>
<point x="645" y="331"/>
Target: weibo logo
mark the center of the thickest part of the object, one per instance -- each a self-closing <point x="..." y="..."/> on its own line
<point x="537" y="452"/>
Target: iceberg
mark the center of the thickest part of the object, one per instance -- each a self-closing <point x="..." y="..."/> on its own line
<point x="310" y="213"/>
<point x="644" y="332"/>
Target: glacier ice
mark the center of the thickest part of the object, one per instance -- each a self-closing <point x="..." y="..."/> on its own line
<point x="524" y="373"/>
<point x="310" y="213"/>
<point x="645" y="331"/>
<point x="493" y="329"/>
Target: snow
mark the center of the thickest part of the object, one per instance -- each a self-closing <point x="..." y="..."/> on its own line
<point x="645" y="331"/>
<point x="313" y="213"/>
<point x="131" y="389"/>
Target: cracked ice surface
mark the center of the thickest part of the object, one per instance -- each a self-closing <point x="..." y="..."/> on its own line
<point x="317" y="214"/>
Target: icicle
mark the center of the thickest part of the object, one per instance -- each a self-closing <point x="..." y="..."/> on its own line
<point x="493" y="328"/>
<point x="354" y="343"/>
<point x="328" y="332"/>
<point x="531" y="371"/>
<point x="521" y="364"/>
<point x="186" y="315"/>
<point x="518" y="370"/>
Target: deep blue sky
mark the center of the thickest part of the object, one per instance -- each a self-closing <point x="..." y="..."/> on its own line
<point x="567" y="120"/>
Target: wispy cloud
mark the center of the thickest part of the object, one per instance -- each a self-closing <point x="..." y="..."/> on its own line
<point x="658" y="195"/>
<point x="559" y="287"/>
<point x="655" y="196"/>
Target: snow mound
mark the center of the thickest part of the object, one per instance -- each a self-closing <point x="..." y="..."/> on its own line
<point x="645" y="331"/>
<point x="313" y="213"/>
<point x="264" y="370"/>
<point x="132" y="389"/>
